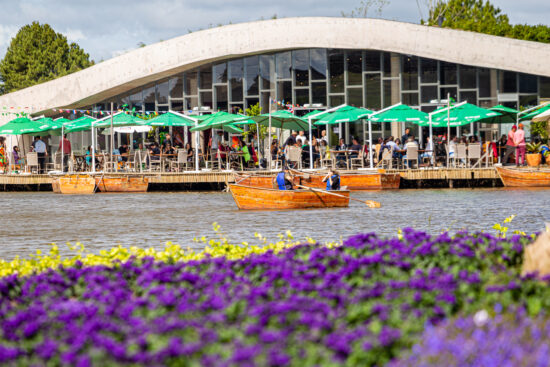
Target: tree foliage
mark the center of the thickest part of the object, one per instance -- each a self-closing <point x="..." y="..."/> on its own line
<point x="483" y="17"/>
<point x="38" y="54"/>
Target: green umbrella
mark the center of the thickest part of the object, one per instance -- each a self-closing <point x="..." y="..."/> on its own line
<point x="217" y="121"/>
<point x="280" y="119"/>
<point x="24" y="125"/>
<point x="345" y="114"/>
<point x="459" y="116"/>
<point x="82" y="123"/>
<point x="532" y="114"/>
<point x="119" y="119"/>
<point x="507" y="115"/>
<point x="170" y="119"/>
<point x="55" y="125"/>
<point x="401" y="113"/>
<point x="311" y="114"/>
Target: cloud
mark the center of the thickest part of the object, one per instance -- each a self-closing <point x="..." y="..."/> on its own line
<point x="74" y="35"/>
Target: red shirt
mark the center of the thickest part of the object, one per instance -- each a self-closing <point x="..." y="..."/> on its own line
<point x="510" y="138"/>
<point x="66" y="146"/>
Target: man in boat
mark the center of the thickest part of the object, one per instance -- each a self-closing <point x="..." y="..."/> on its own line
<point x="283" y="180"/>
<point x="333" y="180"/>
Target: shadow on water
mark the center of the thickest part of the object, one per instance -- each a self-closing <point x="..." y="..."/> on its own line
<point x="31" y="221"/>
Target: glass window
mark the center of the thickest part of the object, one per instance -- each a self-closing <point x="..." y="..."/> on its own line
<point x="190" y="83"/>
<point x="509" y="82"/>
<point x="355" y="97"/>
<point x="236" y="80"/>
<point x="372" y="60"/>
<point x="205" y="77"/>
<point x="176" y="106"/>
<point x="252" y="102"/>
<point x="336" y="71"/>
<point x="137" y="97"/>
<point x="544" y="87"/>
<point x="428" y="93"/>
<point x="191" y="103"/>
<point x="319" y="93"/>
<point x="450" y="90"/>
<point x="471" y="97"/>
<point x="447" y="73"/>
<point x="176" y="87"/>
<point x="354" y="61"/>
<point x="373" y="90"/>
<point x="221" y="97"/>
<point x="265" y="98"/>
<point x="387" y="93"/>
<point x="236" y="108"/>
<point x="336" y="101"/>
<point x="220" y="73"/>
<point x="467" y="77"/>
<point x="428" y="71"/>
<point x="302" y="96"/>
<point x="528" y="101"/>
<point x="284" y="91"/>
<point x="300" y="64"/>
<point x="410" y="99"/>
<point x="318" y="63"/>
<point x="252" y="71"/>
<point x="267" y="70"/>
<point x="206" y="99"/>
<point x="162" y="93"/>
<point x="527" y="83"/>
<point x="410" y="73"/>
<point x="386" y="63"/>
<point x="484" y="76"/>
<point x="149" y="99"/>
<point x="283" y="63"/>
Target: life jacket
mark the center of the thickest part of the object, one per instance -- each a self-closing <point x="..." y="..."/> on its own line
<point x="335" y="183"/>
<point x="281" y="181"/>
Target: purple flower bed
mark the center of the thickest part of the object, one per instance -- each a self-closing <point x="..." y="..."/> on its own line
<point x="363" y="303"/>
<point x="507" y="340"/>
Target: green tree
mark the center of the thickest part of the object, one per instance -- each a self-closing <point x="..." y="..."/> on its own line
<point x="483" y="17"/>
<point x="38" y="54"/>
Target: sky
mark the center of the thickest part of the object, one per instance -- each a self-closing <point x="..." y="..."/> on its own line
<point x="109" y="28"/>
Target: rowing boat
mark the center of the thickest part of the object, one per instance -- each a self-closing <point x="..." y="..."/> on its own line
<point x="247" y="197"/>
<point x="352" y="181"/>
<point x="524" y="177"/>
<point x="122" y="184"/>
<point x="74" y="184"/>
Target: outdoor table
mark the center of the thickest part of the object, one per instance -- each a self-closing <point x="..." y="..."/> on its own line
<point x="346" y="154"/>
<point x="236" y="155"/>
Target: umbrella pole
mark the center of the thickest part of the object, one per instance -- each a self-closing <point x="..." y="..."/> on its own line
<point x="112" y="136"/>
<point x="258" y="142"/>
<point x="431" y="132"/>
<point x="310" y="145"/>
<point x="93" y="148"/>
<point x="370" y="144"/>
<point x="62" y="150"/>
<point x="269" y="138"/>
<point x="196" y="147"/>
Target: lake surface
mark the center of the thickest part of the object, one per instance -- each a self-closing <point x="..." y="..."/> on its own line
<point x="32" y="221"/>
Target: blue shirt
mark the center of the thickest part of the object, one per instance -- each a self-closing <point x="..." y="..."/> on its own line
<point x="281" y="181"/>
<point x="335" y="183"/>
<point x="39" y="146"/>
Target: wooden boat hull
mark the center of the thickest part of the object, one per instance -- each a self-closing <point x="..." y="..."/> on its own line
<point x="352" y="181"/>
<point x="254" y="198"/>
<point x="122" y="184"/>
<point x="76" y="185"/>
<point x="55" y="185"/>
<point x="516" y="177"/>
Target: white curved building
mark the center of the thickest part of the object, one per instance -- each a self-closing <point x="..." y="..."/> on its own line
<point x="308" y="62"/>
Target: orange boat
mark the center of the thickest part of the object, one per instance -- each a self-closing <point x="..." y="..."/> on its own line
<point x="524" y="177"/>
<point x="122" y="184"/>
<point x="75" y="184"/>
<point x="247" y="197"/>
<point x="352" y="181"/>
<point x="55" y="185"/>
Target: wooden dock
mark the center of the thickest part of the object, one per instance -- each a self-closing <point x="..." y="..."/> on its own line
<point x="216" y="180"/>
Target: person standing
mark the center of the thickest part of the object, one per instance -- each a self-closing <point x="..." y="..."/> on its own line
<point x="324" y="136"/>
<point x="66" y="145"/>
<point x="510" y="146"/>
<point x="519" y="141"/>
<point x="40" y="149"/>
<point x="406" y="136"/>
<point x="301" y="138"/>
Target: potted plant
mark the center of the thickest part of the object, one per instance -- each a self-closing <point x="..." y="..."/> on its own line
<point x="533" y="156"/>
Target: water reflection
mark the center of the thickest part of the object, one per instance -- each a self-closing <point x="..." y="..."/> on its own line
<point x="31" y="221"/>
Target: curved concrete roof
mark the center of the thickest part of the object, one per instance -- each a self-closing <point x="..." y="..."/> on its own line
<point x="154" y="62"/>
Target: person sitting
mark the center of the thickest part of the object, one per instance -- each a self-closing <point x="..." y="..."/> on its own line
<point x="305" y="153"/>
<point x="429" y="149"/>
<point x="356" y="147"/>
<point x="154" y="151"/>
<point x="333" y="180"/>
<point x="341" y="157"/>
<point x="410" y="143"/>
<point x="16" y="155"/>
<point x="123" y="149"/>
<point x="283" y="180"/>
<point x="168" y="149"/>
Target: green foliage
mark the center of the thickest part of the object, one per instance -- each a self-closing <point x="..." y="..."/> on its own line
<point x="255" y="110"/>
<point x="38" y="54"/>
<point x="540" y="129"/>
<point x="533" y="148"/>
<point x="362" y="10"/>
<point x="483" y="17"/>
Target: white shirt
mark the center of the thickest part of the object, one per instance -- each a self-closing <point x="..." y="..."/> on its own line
<point x="301" y="139"/>
<point x="39" y="146"/>
<point x="393" y="146"/>
<point x="216" y="139"/>
<point x="325" y="138"/>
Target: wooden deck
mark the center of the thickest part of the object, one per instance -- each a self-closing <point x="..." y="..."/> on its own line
<point x="479" y="177"/>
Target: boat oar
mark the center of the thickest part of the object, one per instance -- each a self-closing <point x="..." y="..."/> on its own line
<point x="369" y="203"/>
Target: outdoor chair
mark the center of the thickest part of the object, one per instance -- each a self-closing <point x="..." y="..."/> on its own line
<point x="274" y="162"/>
<point x="295" y="156"/>
<point x="324" y="159"/>
<point x="180" y="161"/>
<point x="32" y="162"/>
<point x="460" y="155"/>
<point x="451" y="161"/>
<point x="155" y="164"/>
<point x="387" y="159"/>
<point x="359" y="161"/>
<point x="55" y="165"/>
<point x="412" y="156"/>
<point x="474" y="154"/>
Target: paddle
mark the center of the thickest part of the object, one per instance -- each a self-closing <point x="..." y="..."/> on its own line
<point x="369" y="203"/>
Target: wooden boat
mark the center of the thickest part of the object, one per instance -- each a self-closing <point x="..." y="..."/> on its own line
<point x="75" y="184"/>
<point x="247" y="197"/>
<point x="122" y="184"/>
<point x="55" y="185"/>
<point x="524" y="177"/>
<point x="352" y="181"/>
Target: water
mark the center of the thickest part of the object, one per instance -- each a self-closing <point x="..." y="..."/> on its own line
<point x="32" y="221"/>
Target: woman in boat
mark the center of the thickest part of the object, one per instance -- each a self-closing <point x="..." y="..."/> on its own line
<point x="333" y="180"/>
<point x="283" y="180"/>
